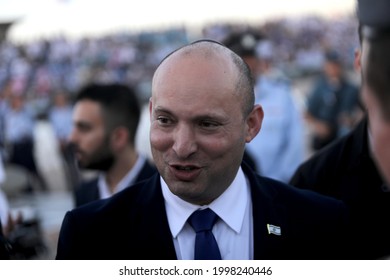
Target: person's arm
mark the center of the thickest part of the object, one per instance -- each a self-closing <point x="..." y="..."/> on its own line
<point x="5" y="247"/>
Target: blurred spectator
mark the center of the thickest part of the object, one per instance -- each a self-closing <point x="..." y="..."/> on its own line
<point x="48" y="155"/>
<point x="106" y="118"/>
<point x="19" y="129"/>
<point x="333" y="106"/>
<point x="60" y="116"/>
<point x="4" y="207"/>
<point x="4" y="250"/>
<point x="279" y="147"/>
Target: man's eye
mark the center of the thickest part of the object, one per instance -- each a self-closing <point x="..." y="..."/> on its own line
<point x="163" y="120"/>
<point x="207" y="124"/>
<point x="83" y="128"/>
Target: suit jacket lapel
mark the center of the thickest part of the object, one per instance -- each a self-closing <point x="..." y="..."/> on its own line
<point x="266" y="245"/>
<point x="153" y="219"/>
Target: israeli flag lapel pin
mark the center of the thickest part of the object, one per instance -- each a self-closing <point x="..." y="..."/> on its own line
<point x="274" y="229"/>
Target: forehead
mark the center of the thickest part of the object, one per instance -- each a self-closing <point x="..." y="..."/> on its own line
<point x="206" y="71"/>
<point x="87" y="110"/>
<point x="210" y="58"/>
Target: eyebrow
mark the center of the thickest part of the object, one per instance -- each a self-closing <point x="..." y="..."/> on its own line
<point x="211" y="116"/>
<point x="159" y="109"/>
<point x="82" y="124"/>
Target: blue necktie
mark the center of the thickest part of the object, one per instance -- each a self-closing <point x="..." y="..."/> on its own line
<point x="206" y="247"/>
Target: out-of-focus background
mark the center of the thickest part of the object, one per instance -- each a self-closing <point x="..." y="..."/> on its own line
<point x="52" y="46"/>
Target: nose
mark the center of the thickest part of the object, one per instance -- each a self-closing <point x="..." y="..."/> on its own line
<point x="72" y="138"/>
<point x="184" y="141"/>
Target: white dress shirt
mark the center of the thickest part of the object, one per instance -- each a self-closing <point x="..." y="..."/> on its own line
<point x="233" y="231"/>
<point x="129" y="179"/>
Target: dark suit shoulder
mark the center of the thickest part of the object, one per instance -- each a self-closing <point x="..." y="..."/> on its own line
<point x="126" y="196"/>
<point x="86" y="192"/>
<point x="297" y="198"/>
<point x="332" y="162"/>
<point x="273" y="192"/>
<point x="147" y="171"/>
<point x="117" y="227"/>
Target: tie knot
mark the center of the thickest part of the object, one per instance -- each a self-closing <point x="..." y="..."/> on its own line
<point x="202" y="220"/>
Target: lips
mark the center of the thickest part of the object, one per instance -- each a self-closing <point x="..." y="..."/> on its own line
<point x="185" y="172"/>
<point x="185" y="168"/>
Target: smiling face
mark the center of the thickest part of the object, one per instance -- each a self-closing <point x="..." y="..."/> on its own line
<point x="198" y="128"/>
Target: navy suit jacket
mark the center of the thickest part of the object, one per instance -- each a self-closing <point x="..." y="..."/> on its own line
<point x="88" y="191"/>
<point x="133" y="224"/>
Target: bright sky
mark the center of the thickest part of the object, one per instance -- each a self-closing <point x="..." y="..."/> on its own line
<point x="78" y="17"/>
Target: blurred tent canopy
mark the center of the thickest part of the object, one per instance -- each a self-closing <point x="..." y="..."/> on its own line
<point x="74" y="18"/>
<point x="4" y="27"/>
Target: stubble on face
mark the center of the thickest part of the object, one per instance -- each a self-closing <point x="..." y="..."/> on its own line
<point x="101" y="159"/>
<point x="90" y="140"/>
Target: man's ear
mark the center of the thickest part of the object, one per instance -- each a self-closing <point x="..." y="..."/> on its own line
<point x="357" y="60"/>
<point x="150" y="107"/>
<point x="253" y="122"/>
<point x="120" y="137"/>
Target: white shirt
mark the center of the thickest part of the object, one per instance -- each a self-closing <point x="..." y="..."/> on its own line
<point x="233" y="231"/>
<point x="129" y="179"/>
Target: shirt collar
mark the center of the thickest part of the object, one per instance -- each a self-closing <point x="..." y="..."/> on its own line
<point x="178" y="210"/>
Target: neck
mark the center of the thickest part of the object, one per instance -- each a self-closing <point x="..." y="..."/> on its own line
<point x="123" y="164"/>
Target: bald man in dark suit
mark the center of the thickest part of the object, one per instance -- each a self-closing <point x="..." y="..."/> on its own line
<point x="202" y="115"/>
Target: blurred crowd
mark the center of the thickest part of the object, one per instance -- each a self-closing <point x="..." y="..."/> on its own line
<point x="37" y="69"/>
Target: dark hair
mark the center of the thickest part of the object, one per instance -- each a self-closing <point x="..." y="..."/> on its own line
<point x="119" y="103"/>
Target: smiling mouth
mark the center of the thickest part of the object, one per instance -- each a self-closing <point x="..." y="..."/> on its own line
<point x="185" y="173"/>
<point x="185" y="168"/>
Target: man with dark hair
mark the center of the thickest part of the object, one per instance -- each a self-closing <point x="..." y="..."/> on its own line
<point x="356" y="168"/>
<point x="105" y="124"/>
